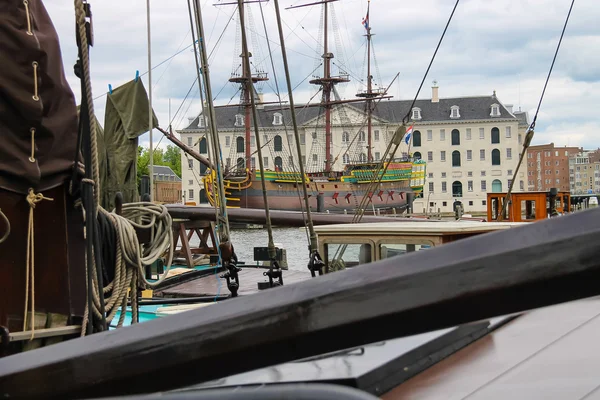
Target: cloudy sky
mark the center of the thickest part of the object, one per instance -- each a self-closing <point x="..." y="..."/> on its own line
<point x="505" y="46"/>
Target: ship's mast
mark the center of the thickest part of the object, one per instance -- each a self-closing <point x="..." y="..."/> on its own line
<point x="327" y="82"/>
<point x="245" y="100"/>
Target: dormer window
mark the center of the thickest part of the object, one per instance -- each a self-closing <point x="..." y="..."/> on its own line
<point x="277" y="119"/>
<point x="416" y="113"/>
<point x="495" y="110"/>
<point x="239" y="120"/>
<point x="454" y="112"/>
<point x="202" y="121"/>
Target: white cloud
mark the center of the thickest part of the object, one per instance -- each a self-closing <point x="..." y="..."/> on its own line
<point x="506" y="46"/>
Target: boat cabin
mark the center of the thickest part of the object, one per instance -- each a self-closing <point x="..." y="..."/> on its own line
<point x="528" y="206"/>
<point x="342" y="246"/>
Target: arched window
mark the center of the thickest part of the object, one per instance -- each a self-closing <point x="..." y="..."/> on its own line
<point x="456" y="189"/>
<point x="241" y="164"/>
<point x="417" y="155"/>
<point x="495" y="135"/>
<point x="456" y="158"/>
<point x="345" y="158"/>
<point x="345" y="137"/>
<point x="495" y="157"/>
<point x="278" y="143"/>
<point x="239" y="144"/>
<point x="363" y="157"/>
<point x="496" y="186"/>
<point x="203" y="146"/>
<point x="455" y="137"/>
<point x="361" y="136"/>
<point x="278" y="163"/>
<point x="417" y="139"/>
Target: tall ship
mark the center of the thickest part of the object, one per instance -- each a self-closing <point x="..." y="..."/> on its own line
<point x="342" y="141"/>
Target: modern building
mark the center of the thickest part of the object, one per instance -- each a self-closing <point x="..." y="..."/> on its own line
<point x="584" y="171"/>
<point x="548" y="167"/>
<point x="471" y="144"/>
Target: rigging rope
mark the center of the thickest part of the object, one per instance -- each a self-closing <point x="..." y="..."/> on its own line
<point x="531" y="129"/>
<point x="7" y="223"/>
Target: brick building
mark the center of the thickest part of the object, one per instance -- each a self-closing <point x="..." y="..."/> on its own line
<point x="548" y="167"/>
<point x="585" y="172"/>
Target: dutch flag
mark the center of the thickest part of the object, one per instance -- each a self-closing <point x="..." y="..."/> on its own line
<point x="408" y="134"/>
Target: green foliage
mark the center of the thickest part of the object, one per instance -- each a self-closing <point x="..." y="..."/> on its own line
<point x="171" y="158"/>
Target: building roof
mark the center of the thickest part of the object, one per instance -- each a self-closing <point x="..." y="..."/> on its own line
<point x="166" y="171"/>
<point x="523" y="117"/>
<point x="392" y="111"/>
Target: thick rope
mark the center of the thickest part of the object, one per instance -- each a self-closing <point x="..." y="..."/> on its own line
<point x="32" y="199"/>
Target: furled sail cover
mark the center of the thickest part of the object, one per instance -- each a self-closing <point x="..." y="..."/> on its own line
<point x="125" y="119"/>
<point x="35" y="101"/>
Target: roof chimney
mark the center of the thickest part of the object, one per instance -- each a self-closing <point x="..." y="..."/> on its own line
<point x="435" y="98"/>
<point x="261" y="99"/>
<point x="190" y="120"/>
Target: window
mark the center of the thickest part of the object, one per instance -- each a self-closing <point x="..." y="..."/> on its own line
<point x="361" y="136"/>
<point x="482" y="155"/>
<point x="266" y="162"/>
<point x="417" y="155"/>
<point x="239" y="120"/>
<point x="228" y="162"/>
<point x="482" y="173"/>
<point x="442" y="135"/>
<point x="302" y="138"/>
<point x="430" y="175"/>
<point x="362" y="158"/>
<point x="468" y="134"/>
<point x="470" y="186"/>
<point x="430" y="156"/>
<point x="481" y="133"/>
<point x="190" y="164"/>
<point x="495" y="135"/>
<point x="495" y="110"/>
<point x="277" y="119"/>
<point x="291" y="161"/>
<point x="454" y="112"/>
<point x="416" y="113"/>
<point x="377" y="156"/>
<point x="239" y="144"/>
<point x="444" y="203"/>
<point x="314" y="136"/>
<point x="278" y="143"/>
<point x="444" y="187"/>
<point x="190" y="182"/>
<point x="429" y="135"/>
<point x="227" y="141"/>
<point x="495" y="157"/>
<point x="509" y="172"/>
<point x="483" y="202"/>
<point x="470" y="174"/>
<point x="456" y="158"/>
<point x="278" y="163"/>
<point x="443" y="174"/>
<point x="471" y="202"/>
<point x="253" y="141"/>
<point x="417" y="139"/>
<point x="241" y="164"/>
<point x="509" y="182"/>
<point x="508" y="132"/>
<point x="442" y="155"/>
<point x="346" y="159"/>
<point x="469" y="155"/>
<point x="315" y="158"/>
<point x="345" y="137"/>
<point x="190" y="141"/>
<point x="483" y="186"/>
<point x="520" y="138"/>
<point x="456" y="189"/>
<point x="202" y="146"/>
<point x="376" y="135"/>
<point x="253" y="163"/>
<point x="508" y="154"/>
<point x="431" y="187"/>
<point x="455" y="137"/>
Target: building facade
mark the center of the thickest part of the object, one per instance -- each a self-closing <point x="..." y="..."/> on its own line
<point x="548" y="167"/>
<point x="584" y="172"/>
<point x="471" y="144"/>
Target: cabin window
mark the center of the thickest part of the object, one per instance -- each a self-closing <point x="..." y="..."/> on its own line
<point x="348" y="255"/>
<point x="495" y="157"/>
<point x="527" y="210"/>
<point x="239" y="144"/>
<point x="455" y="137"/>
<point x="417" y="155"/>
<point x="387" y="250"/>
<point x="417" y="139"/>
<point x="456" y="158"/>
<point x="495" y="135"/>
<point x="278" y="143"/>
<point x="203" y="146"/>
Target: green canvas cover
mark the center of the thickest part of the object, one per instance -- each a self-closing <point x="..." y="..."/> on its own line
<point x="126" y="118"/>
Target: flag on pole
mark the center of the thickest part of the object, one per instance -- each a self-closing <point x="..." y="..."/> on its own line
<point x="408" y="134"/>
<point x="365" y="21"/>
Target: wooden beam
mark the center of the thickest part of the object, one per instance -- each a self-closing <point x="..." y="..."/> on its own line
<point x="44" y="333"/>
<point x="504" y="272"/>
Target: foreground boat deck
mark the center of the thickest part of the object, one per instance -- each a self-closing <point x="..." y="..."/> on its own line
<point x="212" y="285"/>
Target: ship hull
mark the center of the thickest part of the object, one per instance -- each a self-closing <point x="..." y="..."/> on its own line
<point x="337" y="197"/>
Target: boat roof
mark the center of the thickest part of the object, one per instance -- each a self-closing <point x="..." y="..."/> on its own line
<point x="416" y="227"/>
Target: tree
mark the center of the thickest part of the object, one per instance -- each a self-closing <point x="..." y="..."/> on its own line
<point x="172" y="158"/>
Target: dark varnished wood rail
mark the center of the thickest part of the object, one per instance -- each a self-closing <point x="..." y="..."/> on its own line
<point x="540" y="264"/>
